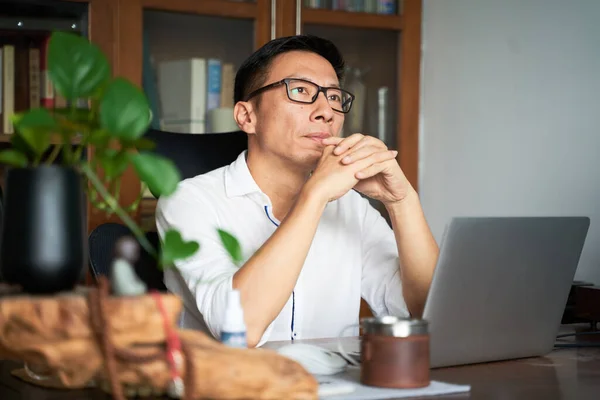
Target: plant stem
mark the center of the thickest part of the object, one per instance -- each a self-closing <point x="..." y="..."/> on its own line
<point x="93" y="198"/>
<point x="53" y="154"/>
<point x="78" y="151"/>
<point x="135" y="204"/>
<point x="114" y="205"/>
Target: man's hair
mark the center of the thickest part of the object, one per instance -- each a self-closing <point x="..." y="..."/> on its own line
<point x="253" y="73"/>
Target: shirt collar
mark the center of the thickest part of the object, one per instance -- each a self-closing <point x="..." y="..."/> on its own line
<point x="238" y="180"/>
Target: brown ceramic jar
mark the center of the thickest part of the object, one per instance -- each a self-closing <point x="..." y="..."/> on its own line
<point x="395" y="352"/>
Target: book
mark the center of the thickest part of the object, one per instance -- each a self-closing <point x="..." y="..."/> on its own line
<point x="182" y="90"/>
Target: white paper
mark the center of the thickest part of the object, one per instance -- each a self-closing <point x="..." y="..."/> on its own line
<point x="341" y="384"/>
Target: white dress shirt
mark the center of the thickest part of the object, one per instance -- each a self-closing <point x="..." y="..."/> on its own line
<point x="353" y="254"/>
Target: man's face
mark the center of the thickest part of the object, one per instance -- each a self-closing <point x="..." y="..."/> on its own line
<point x="290" y="130"/>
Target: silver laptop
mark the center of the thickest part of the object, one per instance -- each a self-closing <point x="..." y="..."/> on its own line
<point x="501" y="286"/>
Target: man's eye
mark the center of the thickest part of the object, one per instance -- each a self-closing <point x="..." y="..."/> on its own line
<point x="299" y="90"/>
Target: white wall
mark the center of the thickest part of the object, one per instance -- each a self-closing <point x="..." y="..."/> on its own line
<point x="510" y="115"/>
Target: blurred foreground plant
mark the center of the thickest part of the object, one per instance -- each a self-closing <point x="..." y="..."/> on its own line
<point x="111" y="115"/>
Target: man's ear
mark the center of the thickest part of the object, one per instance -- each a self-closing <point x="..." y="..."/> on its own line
<point x="244" y="115"/>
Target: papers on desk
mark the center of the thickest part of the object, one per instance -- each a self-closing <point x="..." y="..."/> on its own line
<point x="346" y="386"/>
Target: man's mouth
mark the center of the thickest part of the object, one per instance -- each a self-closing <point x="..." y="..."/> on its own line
<point x="318" y="136"/>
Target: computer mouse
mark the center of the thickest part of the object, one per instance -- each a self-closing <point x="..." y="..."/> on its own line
<point x="316" y="360"/>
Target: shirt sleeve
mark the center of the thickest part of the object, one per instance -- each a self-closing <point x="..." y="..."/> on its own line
<point x="381" y="286"/>
<point x="208" y="274"/>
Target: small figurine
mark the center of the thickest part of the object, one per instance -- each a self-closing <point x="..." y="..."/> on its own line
<point x="127" y="248"/>
<point x="124" y="280"/>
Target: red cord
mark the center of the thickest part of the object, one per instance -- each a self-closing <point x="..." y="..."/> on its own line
<point x="173" y="342"/>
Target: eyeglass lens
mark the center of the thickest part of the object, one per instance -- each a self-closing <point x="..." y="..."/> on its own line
<point x="305" y="92"/>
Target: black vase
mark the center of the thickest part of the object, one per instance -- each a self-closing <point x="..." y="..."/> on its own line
<point x="42" y="245"/>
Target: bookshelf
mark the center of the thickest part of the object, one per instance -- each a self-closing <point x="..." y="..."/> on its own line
<point x="381" y="44"/>
<point x="351" y="19"/>
<point x="24" y="33"/>
<point x="385" y="43"/>
<point x="25" y="25"/>
<point x="216" y="8"/>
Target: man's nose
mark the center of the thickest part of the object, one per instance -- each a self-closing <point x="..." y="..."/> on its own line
<point x="323" y="108"/>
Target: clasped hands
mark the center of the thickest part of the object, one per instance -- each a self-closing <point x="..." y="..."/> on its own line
<point x="361" y="162"/>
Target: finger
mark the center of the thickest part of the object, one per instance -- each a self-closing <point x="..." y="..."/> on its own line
<point x="363" y="152"/>
<point x="332" y="140"/>
<point x="348" y="143"/>
<point x="366" y="140"/>
<point x="327" y="151"/>
<point x="374" y="158"/>
<point x="358" y="141"/>
<point x="370" y="171"/>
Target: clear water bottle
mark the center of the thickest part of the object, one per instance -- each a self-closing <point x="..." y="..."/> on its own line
<point x="233" y="333"/>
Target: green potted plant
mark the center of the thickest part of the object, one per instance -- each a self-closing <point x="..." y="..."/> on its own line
<point x="43" y="241"/>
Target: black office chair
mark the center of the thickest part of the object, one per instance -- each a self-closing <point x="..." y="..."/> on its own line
<point x="196" y="154"/>
<point x="193" y="154"/>
<point x="101" y="245"/>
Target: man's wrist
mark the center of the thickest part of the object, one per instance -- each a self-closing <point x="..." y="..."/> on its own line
<point x="310" y="196"/>
<point x="408" y="201"/>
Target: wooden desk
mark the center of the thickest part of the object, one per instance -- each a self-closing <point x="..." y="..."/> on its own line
<point x="562" y="374"/>
<point x="566" y="373"/>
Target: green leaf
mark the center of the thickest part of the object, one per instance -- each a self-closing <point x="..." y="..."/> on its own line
<point x="99" y="138"/>
<point x="160" y="173"/>
<point x="232" y="246"/>
<point x="175" y="248"/>
<point x="17" y="142"/>
<point x="124" y="110"/>
<point x="79" y="115"/>
<point x="13" y="157"/>
<point x="77" y="67"/>
<point x="143" y="144"/>
<point x="35" y="127"/>
<point x="113" y="162"/>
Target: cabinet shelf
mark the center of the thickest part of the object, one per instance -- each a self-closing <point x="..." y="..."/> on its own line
<point x="351" y="19"/>
<point x="5" y="138"/>
<point x="146" y="214"/>
<point x="218" y="8"/>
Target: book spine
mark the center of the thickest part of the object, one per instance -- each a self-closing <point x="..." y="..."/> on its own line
<point x="1" y="90"/>
<point x="47" y="94"/>
<point x="213" y="86"/>
<point x="34" y="78"/>
<point x="198" y="96"/>
<point x="8" y="87"/>
<point x="227" y="82"/>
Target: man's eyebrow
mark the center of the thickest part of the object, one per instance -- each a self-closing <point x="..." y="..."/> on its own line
<point x="335" y="85"/>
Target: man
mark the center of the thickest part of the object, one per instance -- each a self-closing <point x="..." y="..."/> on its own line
<point x="313" y="245"/>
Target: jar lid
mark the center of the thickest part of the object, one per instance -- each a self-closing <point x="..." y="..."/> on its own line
<point x="394" y="326"/>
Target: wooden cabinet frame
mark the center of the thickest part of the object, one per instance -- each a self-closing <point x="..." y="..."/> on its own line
<point x="117" y="27"/>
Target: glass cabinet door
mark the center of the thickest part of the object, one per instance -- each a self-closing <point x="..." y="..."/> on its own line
<point x="380" y="42"/>
<point x="191" y="51"/>
<point x="25" y="29"/>
<point x="368" y="33"/>
<point x="371" y="74"/>
<point x="189" y="65"/>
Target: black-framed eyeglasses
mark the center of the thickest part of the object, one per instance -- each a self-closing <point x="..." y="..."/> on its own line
<point x="303" y="91"/>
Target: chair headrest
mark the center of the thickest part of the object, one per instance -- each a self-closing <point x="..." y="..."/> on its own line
<point x="196" y="154"/>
